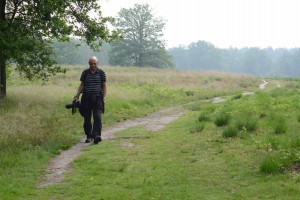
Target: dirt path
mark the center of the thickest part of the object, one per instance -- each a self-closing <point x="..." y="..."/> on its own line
<point x="263" y="85"/>
<point x="154" y="122"/>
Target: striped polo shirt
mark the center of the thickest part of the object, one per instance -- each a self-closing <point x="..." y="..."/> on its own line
<point x="93" y="82"/>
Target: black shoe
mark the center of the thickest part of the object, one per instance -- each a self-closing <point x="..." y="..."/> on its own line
<point x="97" y="139"/>
<point x="89" y="140"/>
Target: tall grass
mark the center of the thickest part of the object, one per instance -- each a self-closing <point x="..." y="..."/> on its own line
<point x="35" y="126"/>
<point x="188" y="159"/>
<point x="272" y="117"/>
<point x="247" y="123"/>
<point x="222" y="119"/>
<point x="230" y="132"/>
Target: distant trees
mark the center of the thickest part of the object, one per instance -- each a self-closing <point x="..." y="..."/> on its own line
<point x="77" y="52"/>
<point x="261" y="62"/>
<point x="27" y="27"/>
<point x="142" y="43"/>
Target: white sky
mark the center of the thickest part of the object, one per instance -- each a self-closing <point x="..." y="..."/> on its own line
<point x="224" y="23"/>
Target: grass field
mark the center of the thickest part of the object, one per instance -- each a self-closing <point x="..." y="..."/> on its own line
<point x="244" y="148"/>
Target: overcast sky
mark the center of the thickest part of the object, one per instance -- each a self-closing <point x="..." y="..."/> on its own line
<point x="224" y="23"/>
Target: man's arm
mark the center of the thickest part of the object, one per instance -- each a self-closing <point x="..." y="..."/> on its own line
<point x="104" y="89"/>
<point x="80" y="89"/>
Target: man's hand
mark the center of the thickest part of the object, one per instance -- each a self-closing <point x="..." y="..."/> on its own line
<point x="76" y="98"/>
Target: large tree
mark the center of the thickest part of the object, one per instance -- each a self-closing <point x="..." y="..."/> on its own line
<point x="28" y="26"/>
<point x="142" y="43"/>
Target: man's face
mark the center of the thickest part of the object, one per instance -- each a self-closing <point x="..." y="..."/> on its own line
<point x="93" y="64"/>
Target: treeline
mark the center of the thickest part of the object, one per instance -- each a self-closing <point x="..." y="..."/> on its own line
<point x="266" y="62"/>
<point x="201" y="56"/>
<point x="77" y="52"/>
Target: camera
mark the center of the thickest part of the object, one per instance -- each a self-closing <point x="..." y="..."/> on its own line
<point x="75" y="104"/>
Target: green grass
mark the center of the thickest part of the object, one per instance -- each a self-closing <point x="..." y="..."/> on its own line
<point x="204" y="118"/>
<point x="271" y="164"/>
<point x="222" y="119"/>
<point x="172" y="164"/>
<point x="230" y="132"/>
<point x="189" y="159"/>
<point x="246" y="123"/>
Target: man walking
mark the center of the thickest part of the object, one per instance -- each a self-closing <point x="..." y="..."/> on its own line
<point x="93" y="89"/>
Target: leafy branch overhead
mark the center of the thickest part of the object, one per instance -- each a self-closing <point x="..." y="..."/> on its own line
<point x="141" y="43"/>
<point x="27" y="28"/>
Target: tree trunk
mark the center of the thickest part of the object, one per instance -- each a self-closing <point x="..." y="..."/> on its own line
<point x="2" y="78"/>
<point x="2" y="59"/>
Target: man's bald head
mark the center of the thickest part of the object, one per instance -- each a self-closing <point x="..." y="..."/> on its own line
<point x="93" y="59"/>
<point x="93" y="62"/>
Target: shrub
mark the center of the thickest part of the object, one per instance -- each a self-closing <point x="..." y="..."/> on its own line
<point x="295" y="141"/>
<point x="222" y="119"/>
<point x="279" y="123"/>
<point x="246" y="123"/>
<point x="203" y="118"/>
<point x="276" y="143"/>
<point x="279" y="161"/>
<point x="299" y="118"/>
<point x="210" y="108"/>
<point x="198" y="128"/>
<point x="189" y="93"/>
<point x="271" y="164"/>
<point x="280" y="127"/>
<point x="230" y="132"/>
<point x="238" y="96"/>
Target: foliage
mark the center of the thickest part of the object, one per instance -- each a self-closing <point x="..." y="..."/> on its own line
<point x="238" y="96"/>
<point x="246" y="123"/>
<point x="204" y="118"/>
<point x="198" y="128"/>
<point x="222" y="119"/>
<point x="37" y="23"/>
<point x="76" y="52"/>
<point x="230" y="132"/>
<point x="271" y="164"/>
<point x="142" y="44"/>
<point x="266" y="62"/>
<point x="280" y="127"/>
<point x="172" y="163"/>
<point x="274" y="110"/>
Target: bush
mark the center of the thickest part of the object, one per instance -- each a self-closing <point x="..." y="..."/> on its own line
<point x="279" y="161"/>
<point x="203" y="118"/>
<point x="280" y="127"/>
<point x="246" y="123"/>
<point x="222" y="120"/>
<point x="230" y="132"/>
<point x="271" y="164"/>
<point x="295" y="141"/>
<point x="198" y="128"/>
<point x="238" y="96"/>
<point x="279" y="123"/>
<point x="276" y="143"/>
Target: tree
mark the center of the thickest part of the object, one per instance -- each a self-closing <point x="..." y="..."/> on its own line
<point x="256" y="61"/>
<point x="141" y="43"/>
<point x="180" y="56"/>
<point x="76" y="52"/>
<point x="27" y="28"/>
<point x="204" y="55"/>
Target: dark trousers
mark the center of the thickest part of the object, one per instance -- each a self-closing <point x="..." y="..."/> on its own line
<point x="92" y="105"/>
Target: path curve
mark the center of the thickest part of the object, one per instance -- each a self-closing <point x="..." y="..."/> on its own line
<point x="263" y="85"/>
<point x="153" y="122"/>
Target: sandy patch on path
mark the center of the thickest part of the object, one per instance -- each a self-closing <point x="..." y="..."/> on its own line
<point x="263" y="85"/>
